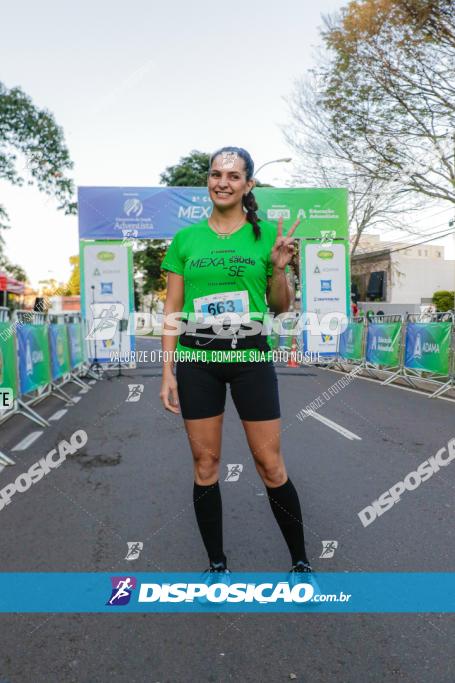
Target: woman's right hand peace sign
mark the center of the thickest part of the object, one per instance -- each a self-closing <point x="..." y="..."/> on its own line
<point x="283" y="249"/>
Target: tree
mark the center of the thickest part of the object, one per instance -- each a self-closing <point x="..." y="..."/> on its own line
<point x="323" y="162"/>
<point x="191" y="171"/>
<point x="73" y="287"/>
<point x="34" y="135"/>
<point x="390" y="89"/>
<point x="12" y="269"/>
<point x="51" y="287"/>
<point x="17" y="272"/>
<point x="147" y="262"/>
<point x="443" y="300"/>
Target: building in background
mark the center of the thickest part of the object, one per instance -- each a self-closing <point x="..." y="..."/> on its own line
<point x="65" y="304"/>
<point x="403" y="276"/>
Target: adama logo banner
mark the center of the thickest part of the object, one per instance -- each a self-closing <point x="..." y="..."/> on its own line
<point x="428" y="347"/>
<point x="243" y="592"/>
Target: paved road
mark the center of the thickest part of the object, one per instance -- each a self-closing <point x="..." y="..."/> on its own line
<point x="132" y="482"/>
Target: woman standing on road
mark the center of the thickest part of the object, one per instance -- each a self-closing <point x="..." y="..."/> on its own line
<point x="232" y="262"/>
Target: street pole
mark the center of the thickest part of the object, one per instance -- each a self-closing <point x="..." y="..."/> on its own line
<point x="285" y="160"/>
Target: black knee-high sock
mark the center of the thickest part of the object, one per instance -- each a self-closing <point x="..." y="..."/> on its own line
<point x="208" y="509"/>
<point x="284" y="501"/>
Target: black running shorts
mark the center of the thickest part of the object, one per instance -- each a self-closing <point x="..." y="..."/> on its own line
<point x="202" y="389"/>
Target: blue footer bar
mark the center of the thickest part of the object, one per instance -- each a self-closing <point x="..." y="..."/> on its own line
<point x="237" y="592"/>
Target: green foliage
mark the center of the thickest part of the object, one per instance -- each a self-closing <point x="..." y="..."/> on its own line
<point x="31" y="134"/>
<point x="73" y="287"/>
<point x="16" y="272"/>
<point x="390" y="89"/>
<point x="191" y="171"/>
<point x="34" y="135"/>
<point x="11" y="268"/>
<point x="148" y="261"/>
<point x="443" y="300"/>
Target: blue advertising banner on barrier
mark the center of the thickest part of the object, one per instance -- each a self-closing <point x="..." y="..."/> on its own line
<point x="244" y="592"/>
<point x="33" y="352"/>
<point x="58" y="340"/>
<point x="75" y="344"/>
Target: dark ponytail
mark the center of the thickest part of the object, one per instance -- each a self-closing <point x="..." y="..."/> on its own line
<point x="250" y="204"/>
<point x="249" y="200"/>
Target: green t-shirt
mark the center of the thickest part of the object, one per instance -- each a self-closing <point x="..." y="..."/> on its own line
<point x="210" y="266"/>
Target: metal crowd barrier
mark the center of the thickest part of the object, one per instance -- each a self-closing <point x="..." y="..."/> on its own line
<point x="24" y="400"/>
<point x="27" y="399"/>
<point x="408" y="348"/>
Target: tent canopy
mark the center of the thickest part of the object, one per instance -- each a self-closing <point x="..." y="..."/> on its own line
<point x="9" y="284"/>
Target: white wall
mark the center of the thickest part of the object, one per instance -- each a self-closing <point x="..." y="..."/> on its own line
<point x="414" y="279"/>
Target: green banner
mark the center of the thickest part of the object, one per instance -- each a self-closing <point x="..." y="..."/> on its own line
<point x="323" y="212"/>
<point x="383" y="344"/>
<point x="273" y="340"/>
<point x="351" y="342"/>
<point x="75" y="344"/>
<point x="34" y="362"/>
<point x="60" y="357"/>
<point x="8" y="376"/>
<point x="428" y="347"/>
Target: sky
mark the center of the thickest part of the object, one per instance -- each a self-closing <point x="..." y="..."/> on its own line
<point x="137" y="86"/>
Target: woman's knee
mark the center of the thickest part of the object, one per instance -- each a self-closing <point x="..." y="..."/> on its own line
<point x="272" y="471"/>
<point x="206" y="468"/>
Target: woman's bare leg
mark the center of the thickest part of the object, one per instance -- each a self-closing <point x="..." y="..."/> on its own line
<point x="264" y="441"/>
<point x="205" y="441"/>
<point x="204" y="436"/>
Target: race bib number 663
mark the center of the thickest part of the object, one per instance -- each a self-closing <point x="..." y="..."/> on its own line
<point x="222" y="306"/>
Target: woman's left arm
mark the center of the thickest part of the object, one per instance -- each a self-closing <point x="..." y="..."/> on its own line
<point x="278" y="292"/>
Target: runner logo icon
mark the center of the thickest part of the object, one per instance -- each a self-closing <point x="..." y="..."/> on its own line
<point x="135" y="392"/>
<point x="134" y="550"/>
<point x="234" y="472"/>
<point x="122" y="587"/>
<point x="328" y="549"/>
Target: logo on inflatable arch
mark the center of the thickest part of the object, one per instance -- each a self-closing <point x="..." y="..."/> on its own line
<point x="133" y="207"/>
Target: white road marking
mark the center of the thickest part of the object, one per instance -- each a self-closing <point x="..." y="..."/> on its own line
<point x="58" y="415"/>
<point x="84" y="391"/>
<point x="334" y="425"/>
<point x="4" y="459"/>
<point x="419" y="392"/>
<point x="92" y="381"/>
<point x="76" y="399"/>
<point x="25" y="443"/>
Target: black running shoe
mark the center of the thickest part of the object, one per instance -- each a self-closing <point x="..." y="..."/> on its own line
<point x="303" y="568"/>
